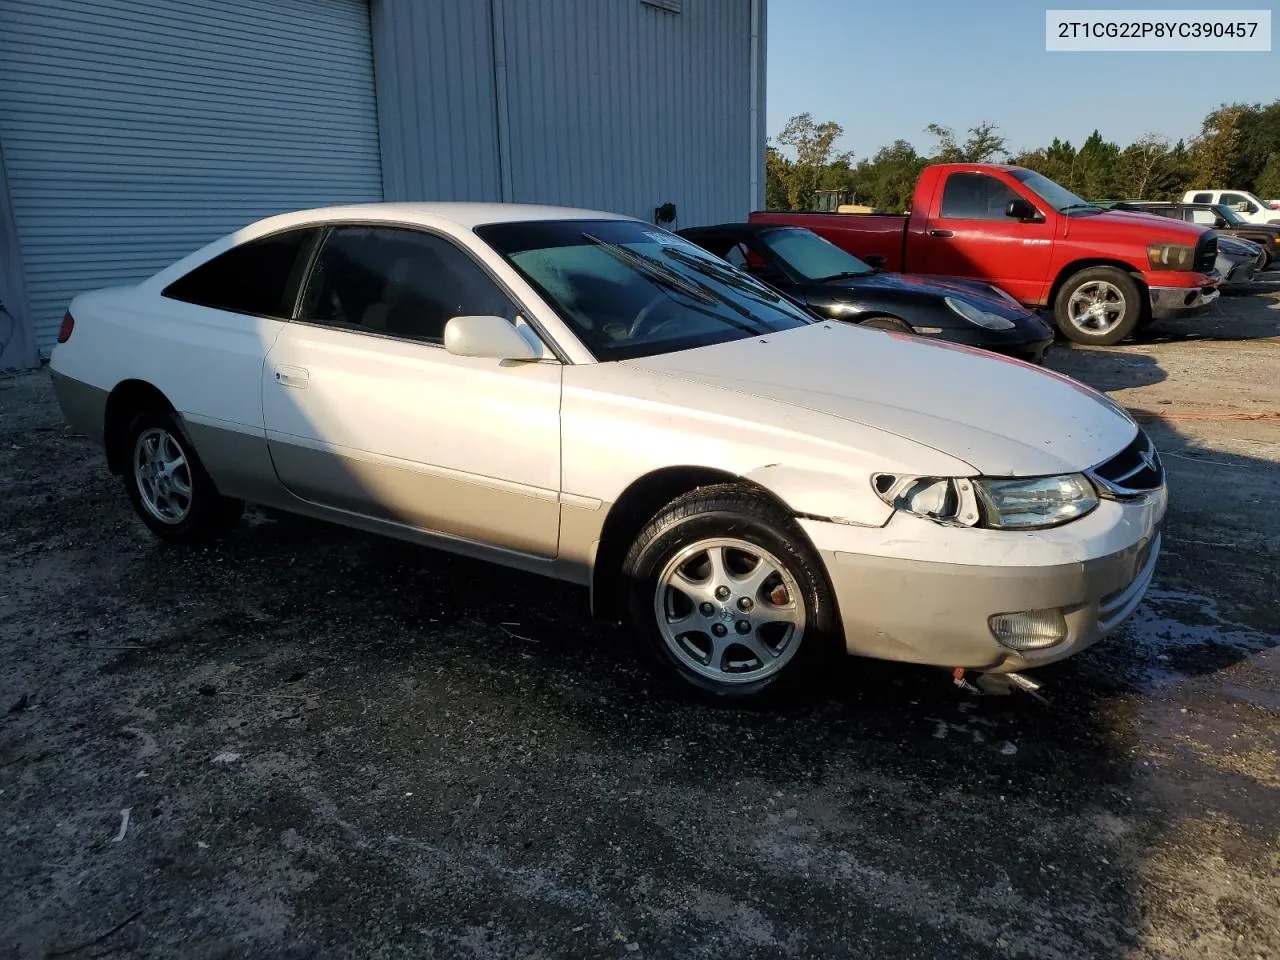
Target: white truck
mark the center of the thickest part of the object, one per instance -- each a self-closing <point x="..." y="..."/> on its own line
<point x="1248" y="205"/>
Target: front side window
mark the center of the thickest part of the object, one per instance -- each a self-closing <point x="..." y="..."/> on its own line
<point x="259" y="277"/>
<point x="975" y="196"/>
<point x="628" y="289"/>
<point x="404" y="283"/>
<point x="1206" y="217"/>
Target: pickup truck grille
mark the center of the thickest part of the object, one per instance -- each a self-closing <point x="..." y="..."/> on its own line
<point x="1133" y="471"/>
<point x="1206" y="253"/>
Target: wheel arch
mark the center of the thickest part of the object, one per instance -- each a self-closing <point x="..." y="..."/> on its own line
<point x="1085" y="263"/>
<point x="126" y="400"/>
<point x="632" y="511"/>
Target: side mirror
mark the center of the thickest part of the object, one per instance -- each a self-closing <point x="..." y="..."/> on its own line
<point x="873" y="260"/>
<point x="493" y="337"/>
<point x="1020" y="209"/>
<point x="1219" y="222"/>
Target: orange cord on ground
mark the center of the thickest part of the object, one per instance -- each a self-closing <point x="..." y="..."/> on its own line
<point x="1138" y="412"/>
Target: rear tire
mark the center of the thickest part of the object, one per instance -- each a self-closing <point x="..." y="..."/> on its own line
<point x="167" y="484"/>
<point x="1098" y="305"/>
<point x="726" y="595"/>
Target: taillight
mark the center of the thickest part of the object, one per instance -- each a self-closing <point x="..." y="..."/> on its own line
<point x="68" y="324"/>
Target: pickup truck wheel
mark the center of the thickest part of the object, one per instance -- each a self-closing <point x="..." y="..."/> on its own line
<point x="1100" y="305"/>
<point x="726" y="595"/>
<point x="167" y="484"/>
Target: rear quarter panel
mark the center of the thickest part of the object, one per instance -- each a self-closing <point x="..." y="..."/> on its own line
<point x="207" y="363"/>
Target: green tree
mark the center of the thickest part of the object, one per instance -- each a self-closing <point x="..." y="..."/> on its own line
<point x="1267" y="186"/>
<point x="814" y="146"/>
<point x="1217" y="149"/>
<point x="1145" y="171"/>
<point x="981" y="146"/>
<point x="777" y="174"/>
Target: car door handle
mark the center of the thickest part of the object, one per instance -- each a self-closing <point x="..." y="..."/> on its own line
<point x="941" y="233"/>
<point x="288" y="376"/>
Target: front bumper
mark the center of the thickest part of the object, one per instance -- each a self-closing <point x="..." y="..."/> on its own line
<point x="1170" y="302"/>
<point x="1024" y="343"/>
<point x="918" y="592"/>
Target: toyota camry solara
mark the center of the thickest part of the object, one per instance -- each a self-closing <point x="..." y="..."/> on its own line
<point x="593" y="398"/>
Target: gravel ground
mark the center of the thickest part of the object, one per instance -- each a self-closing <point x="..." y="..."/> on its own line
<point x="307" y="742"/>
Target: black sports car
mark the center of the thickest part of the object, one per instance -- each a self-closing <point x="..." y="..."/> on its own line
<point x="837" y="285"/>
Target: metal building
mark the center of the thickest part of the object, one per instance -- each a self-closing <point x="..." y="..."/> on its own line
<point x="134" y="131"/>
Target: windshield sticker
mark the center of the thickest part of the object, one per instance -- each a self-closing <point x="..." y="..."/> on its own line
<point x="666" y="239"/>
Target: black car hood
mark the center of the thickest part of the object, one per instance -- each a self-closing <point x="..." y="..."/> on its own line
<point x="913" y="287"/>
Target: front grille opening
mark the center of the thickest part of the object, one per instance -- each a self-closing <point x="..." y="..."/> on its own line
<point x="1134" y="470"/>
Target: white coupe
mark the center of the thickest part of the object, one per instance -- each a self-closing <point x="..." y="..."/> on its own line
<point x="593" y="398"/>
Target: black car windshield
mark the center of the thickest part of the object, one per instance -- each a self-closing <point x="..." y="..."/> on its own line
<point x="1054" y="194"/>
<point x="630" y="289"/>
<point x="1229" y="215"/>
<point x="811" y="256"/>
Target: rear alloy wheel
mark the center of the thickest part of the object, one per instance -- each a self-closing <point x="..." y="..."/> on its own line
<point x="168" y="486"/>
<point x="727" y="595"/>
<point x="1100" y="305"/>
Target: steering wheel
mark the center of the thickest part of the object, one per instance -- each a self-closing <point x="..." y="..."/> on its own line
<point x="638" y="323"/>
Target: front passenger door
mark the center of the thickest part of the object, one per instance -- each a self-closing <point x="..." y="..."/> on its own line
<point x="367" y="412"/>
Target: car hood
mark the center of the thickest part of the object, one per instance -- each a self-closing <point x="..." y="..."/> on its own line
<point x="916" y="289"/>
<point x="1141" y="226"/>
<point x="1001" y="416"/>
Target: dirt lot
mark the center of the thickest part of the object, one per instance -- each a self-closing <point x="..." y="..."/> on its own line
<point x="330" y="745"/>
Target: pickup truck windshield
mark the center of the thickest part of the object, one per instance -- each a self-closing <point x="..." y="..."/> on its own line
<point x="811" y="256"/>
<point x="1055" y="195"/>
<point x="628" y="289"/>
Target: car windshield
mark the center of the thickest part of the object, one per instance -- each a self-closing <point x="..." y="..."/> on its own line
<point x="1055" y="195"/>
<point x="1229" y="215"/>
<point x="629" y="289"/>
<point x="812" y="256"/>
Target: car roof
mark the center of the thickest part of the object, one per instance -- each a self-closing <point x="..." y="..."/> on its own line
<point x="458" y="213"/>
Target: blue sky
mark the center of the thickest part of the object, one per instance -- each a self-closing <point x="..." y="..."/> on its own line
<point x="884" y="70"/>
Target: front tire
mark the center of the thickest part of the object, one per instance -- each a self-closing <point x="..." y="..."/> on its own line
<point x="727" y="596"/>
<point x="167" y="484"/>
<point x="1100" y="305"/>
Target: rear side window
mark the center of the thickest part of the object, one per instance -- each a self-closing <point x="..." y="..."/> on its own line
<point x="975" y="196"/>
<point x="260" y="277"/>
<point x="1204" y="198"/>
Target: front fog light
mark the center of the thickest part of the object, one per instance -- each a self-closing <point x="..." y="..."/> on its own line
<point x="1030" y="629"/>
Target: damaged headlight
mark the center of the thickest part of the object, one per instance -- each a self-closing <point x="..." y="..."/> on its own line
<point x="1004" y="504"/>
<point x="979" y="318"/>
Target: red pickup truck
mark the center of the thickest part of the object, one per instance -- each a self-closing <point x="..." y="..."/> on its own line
<point x="1103" y="273"/>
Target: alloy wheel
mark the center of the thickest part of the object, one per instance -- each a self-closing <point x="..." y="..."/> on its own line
<point x="729" y="610"/>
<point x="163" y="475"/>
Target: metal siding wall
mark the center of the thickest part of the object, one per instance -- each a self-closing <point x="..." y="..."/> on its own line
<point x="619" y="106"/>
<point x="136" y="130"/>
<point x="436" y="101"/>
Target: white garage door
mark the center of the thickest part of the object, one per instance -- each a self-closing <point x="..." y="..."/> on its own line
<point x="134" y="131"/>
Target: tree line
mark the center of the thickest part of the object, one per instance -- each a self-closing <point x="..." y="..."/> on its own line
<point x="1238" y="147"/>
